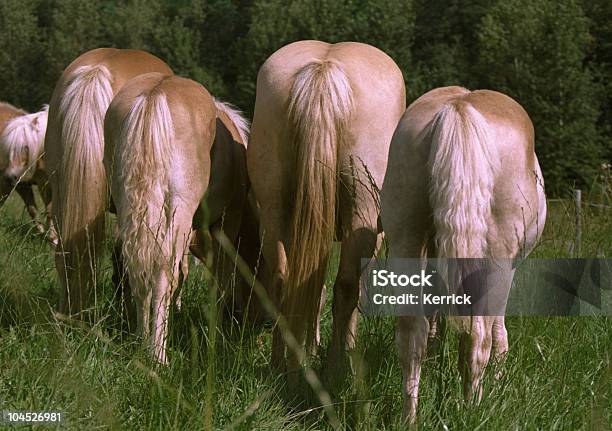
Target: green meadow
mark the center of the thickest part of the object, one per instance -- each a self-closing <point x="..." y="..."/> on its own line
<point x="558" y="374"/>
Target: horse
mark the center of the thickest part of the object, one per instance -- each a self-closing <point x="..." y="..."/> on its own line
<point x="323" y="121"/>
<point x="176" y="164"/>
<point x="21" y="146"/>
<point x="231" y="208"/>
<point x="74" y="151"/>
<point x="463" y="181"/>
<point x="7" y="113"/>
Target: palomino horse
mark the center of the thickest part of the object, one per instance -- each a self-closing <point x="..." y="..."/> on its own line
<point x="462" y="181"/>
<point x="21" y="166"/>
<point x="168" y="144"/>
<point x="324" y="118"/>
<point x="7" y="113"/>
<point x="74" y="150"/>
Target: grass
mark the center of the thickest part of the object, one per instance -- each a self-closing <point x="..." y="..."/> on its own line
<point x="558" y="374"/>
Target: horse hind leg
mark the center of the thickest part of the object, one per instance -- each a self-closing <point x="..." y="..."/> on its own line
<point x="275" y="255"/>
<point x="183" y="274"/>
<point x="26" y="193"/>
<point x="5" y="190"/>
<point x="499" y="332"/>
<point x="437" y="331"/>
<point x="360" y="243"/>
<point x="500" y="344"/>
<point x="121" y="283"/>
<point x="45" y="192"/>
<point x="76" y="264"/>
<point x="411" y="341"/>
<point x="317" y="341"/>
<point x="142" y="300"/>
<point x="160" y="308"/>
<point x="474" y="353"/>
<point x="165" y="288"/>
<point x="500" y="338"/>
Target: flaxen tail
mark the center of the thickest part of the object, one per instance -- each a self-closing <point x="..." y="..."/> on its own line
<point x="142" y="158"/>
<point x="321" y="102"/>
<point x="24" y="132"/>
<point x="81" y="199"/>
<point x="463" y="162"/>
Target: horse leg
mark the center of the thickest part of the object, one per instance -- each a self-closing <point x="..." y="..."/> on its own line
<point x="474" y="354"/>
<point x="275" y="254"/>
<point x="317" y="341"/>
<point x="500" y="338"/>
<point x="437" y="328"/>
<point x="142" y="299"/>
<point x="224" y="261"/>
<point x="165" y="288"/>
<point x="5" y="190"/>
<point x="121" y="282"/>
<point x="411" y="341"/>
<point x="45" y="193"/>
<point x="499" y="332"/>
<point x="359" y="243"/>
<point x="26" y="193"/>
<point x="160" y="308"/>
<point x="412" y="332"/>
<point x="178" y="299"/>
<point x="500" y="344"/>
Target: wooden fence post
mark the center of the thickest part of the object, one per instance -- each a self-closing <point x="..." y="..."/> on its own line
<point x="578" y="213"/>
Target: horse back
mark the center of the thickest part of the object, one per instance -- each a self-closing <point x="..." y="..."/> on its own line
<point x="124" y="64"/>
<point x="7" y="113"/>
<point x="193" y="121"/>
<point x="378" y="95"/>
<point x="518" y="205"/>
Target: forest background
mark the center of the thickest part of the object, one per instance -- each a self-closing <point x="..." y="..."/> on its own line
<point x="553" y="56"/>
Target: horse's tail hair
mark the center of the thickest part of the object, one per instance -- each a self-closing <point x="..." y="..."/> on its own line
<point x="145" y="220"/>
<point x="236" y="117"/>
<point x="462" y="164"/>
<point x="24" y="131"/>
<point x="320" y="105"/>
<point x="82" y="191"/>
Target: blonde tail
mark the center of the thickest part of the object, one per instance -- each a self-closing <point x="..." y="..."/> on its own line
<point x="24" y="131"/>
<point x="80" y="203"/>
<point x="145" y="219"/>
<point x="463" y="163"/>
<point x="320" y="106"/>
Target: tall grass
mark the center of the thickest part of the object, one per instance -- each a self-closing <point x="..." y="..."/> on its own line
<point x="558" y="374"/>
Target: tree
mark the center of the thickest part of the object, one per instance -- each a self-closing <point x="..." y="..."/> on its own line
<point x="445" y="42"/>
<point x="600" y="59"/>
<point x="387" y="25"/>
<point x="20" y="56"/>
<point x="76" y="27"/>
<point x="534" y="52"/>
<point x="170" y="30"/>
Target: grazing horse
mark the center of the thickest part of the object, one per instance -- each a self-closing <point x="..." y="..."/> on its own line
<point x="21" y="165"/>
<point x="176" y="164"/>
<point x="462" y="181"/>
<point x="7" y="113"/>
<point x="74" y="150"/>
<point x="324" y="118"/>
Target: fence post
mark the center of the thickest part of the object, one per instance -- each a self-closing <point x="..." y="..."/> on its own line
<point x="578" y="213"/>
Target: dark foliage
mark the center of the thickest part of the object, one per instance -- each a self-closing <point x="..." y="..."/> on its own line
<point x="553" y="56"/>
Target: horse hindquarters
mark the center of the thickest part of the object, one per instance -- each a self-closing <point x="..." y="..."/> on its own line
<point x="462" y="165"/>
